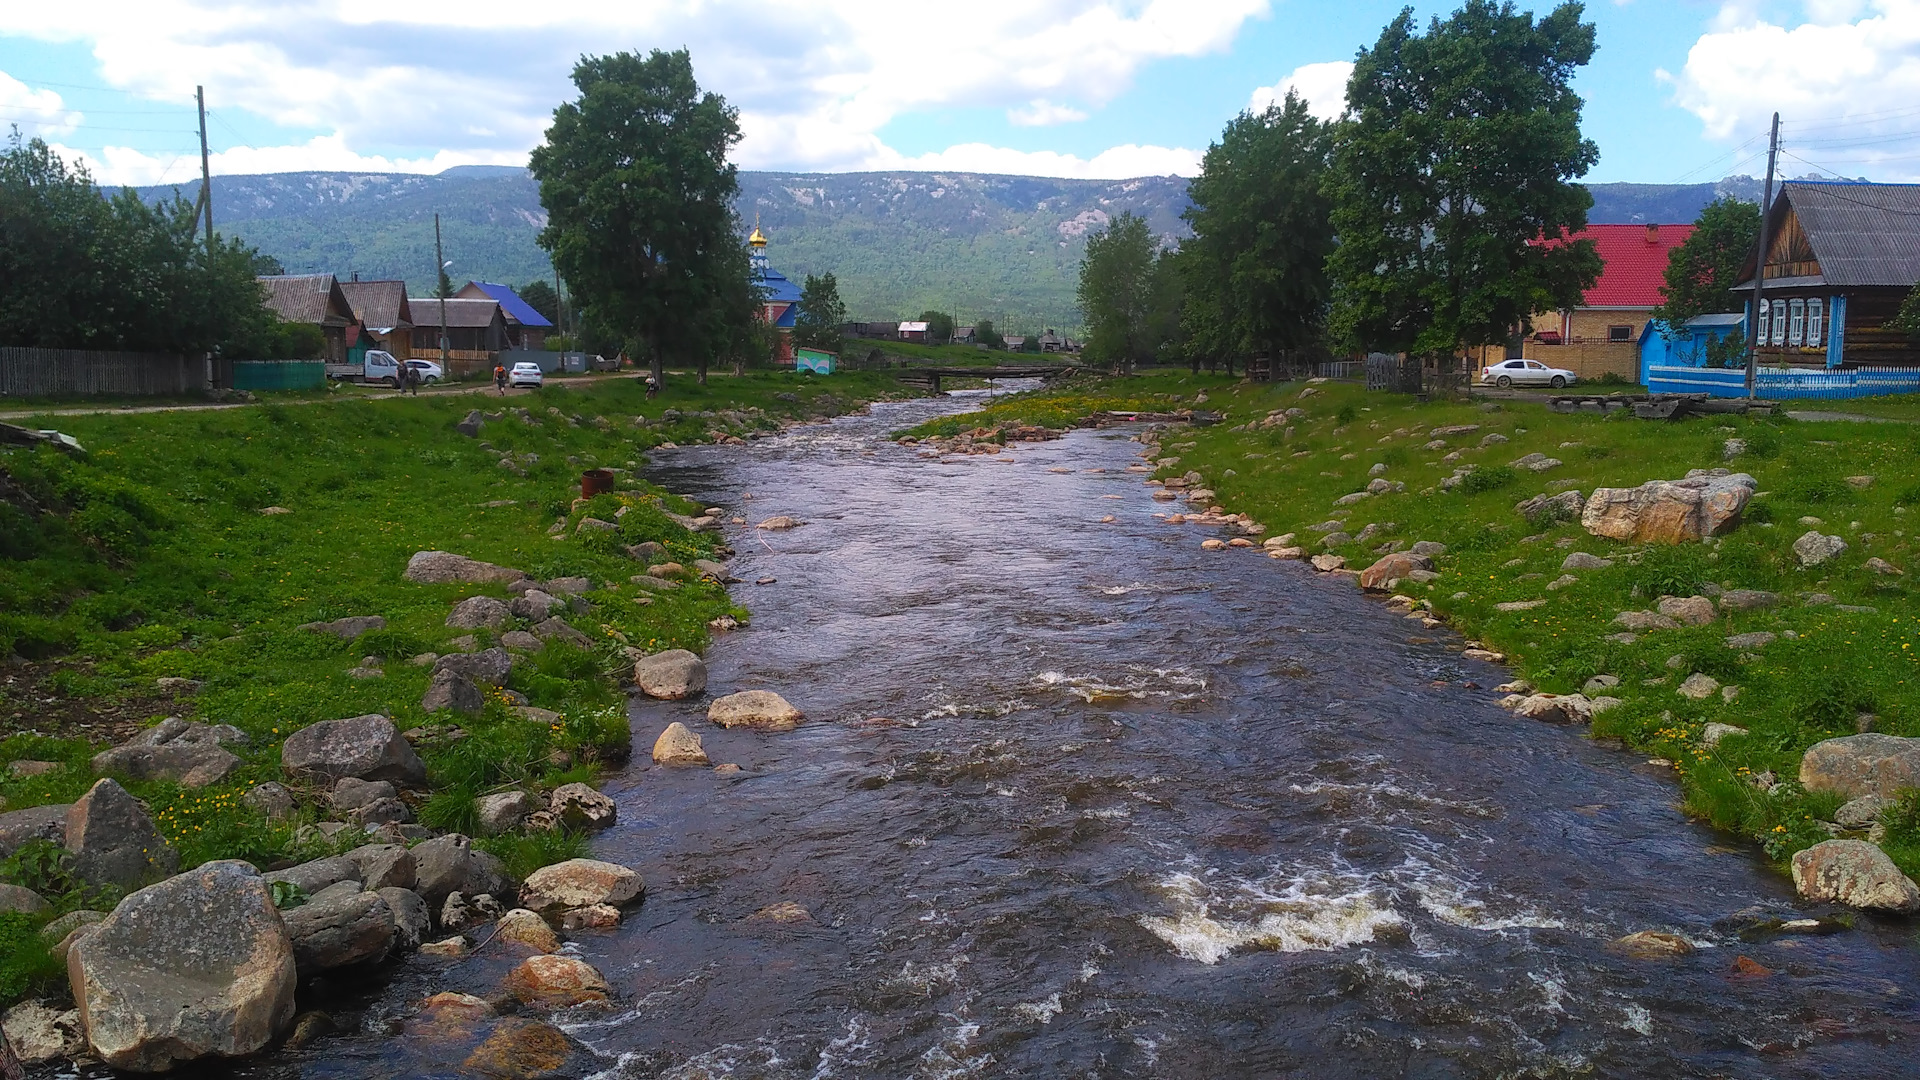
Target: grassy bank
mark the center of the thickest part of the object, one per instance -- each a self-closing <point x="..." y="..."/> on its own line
<point x="1854" y="638"/>
<point x="151" y="561"/>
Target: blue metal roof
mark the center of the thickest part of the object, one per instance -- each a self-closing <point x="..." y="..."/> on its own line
<point x="779" y="288"/>
<point x="517" y="309"/>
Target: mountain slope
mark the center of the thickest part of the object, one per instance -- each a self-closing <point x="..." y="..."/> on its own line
<point x="981" y="246"/>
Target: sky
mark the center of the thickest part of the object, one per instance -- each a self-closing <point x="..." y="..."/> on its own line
<point x="1680" y="91"/>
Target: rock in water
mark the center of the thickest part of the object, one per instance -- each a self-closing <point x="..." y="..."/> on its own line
<point x="579" y="883"/>
<point x="114" y="841"/>
<point x="446" y="568"/>
<point x="1706" y="503"/>
<point x="368" y="747"/>
<point x="581" y="807"/>
<point x="760" y="709"/>
<point x="673" y="675"/>
<point x="1382" y="576"/>
<point x="521" y="1049"/>
<point x="678" y="746"/>
<point x="1653" y="944"/>
<point x="411" y="919"/>
<point x="556" y="982"/>
<point x="1856" y="765"/>
<point x="447" y="864"/>
<point x="38" y="1033"/>
<point x="780" y="522"/>
<point x="524" y="927"/>
<point x="198" y="965"/>
<point x="1855" y="873"/>
<point x="336" y="931"/>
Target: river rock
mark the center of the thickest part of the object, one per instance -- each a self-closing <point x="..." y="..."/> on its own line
<point x="579" y="806"/>
<point x="556" y="982"/>
<point x="271" y="799"/>
<point x="488" y="667"/>
<point x="348" y="628"/>
<point x="199" y="965"/>
<point x="579" y="883"/>
<point x="1856" y="765"/>
<point x="1556" y="708"/>
<point x="1653" y="945"/>
<point x="679" y="746"/>
<point x="367" y="746"/>
<point x="502" y="811"/>
<point x="1711" y="735"/>
<point x="535" y="605"/>
<point x="335" y="931"/>
<point x="672" y="675"/>
<point x="352" y="793"/>
<point x="187" y="752"/>
<point x="591" y="917"/>
<point x="312" y="876"/>
<point x="446" y="568"/>
<point x="1699" y="686"/>
<point x="763" y="710"/>
<point x="114" y="841"/>
<point x="1326" y="564"/>
<point x="1706" y="503"/>
<point x="463" y="912"/>
<point x="411" y="917"/>
<point x="523" y="927"/>
<point x="1861" y="812"/>
<point x="1813" y="548"/>
<point x="452" y="691"/>
<point x="1383" y="575"/>
<point x="384" y="866"/>
<point x="1686" y="610"/>
<point x="1581" y="560"/>
<point x="447" y="864"/>
<point x="1855" y="873"/>
<point x="33" y="823"/>
<point x="38" y="1033"/>
<point x="478" y="612"/>
<point x="23" y="900"/>
<point x="780" y="522"/>
<point x="522" y="1049"/>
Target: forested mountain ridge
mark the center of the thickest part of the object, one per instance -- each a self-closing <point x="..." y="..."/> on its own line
<point x="980" y="246"/>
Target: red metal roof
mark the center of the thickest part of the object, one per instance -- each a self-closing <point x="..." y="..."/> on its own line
<point x="1636" y="262"/>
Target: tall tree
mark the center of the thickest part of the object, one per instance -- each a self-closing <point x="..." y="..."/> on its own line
<point x="1457" y="158"/>
<point x="541" y="297"/>
<point x="1703" y="270"/>
<point x="939" y="326"/>
<point x="985" y="334"/>
<point x="817" y="326"/>
<point x="639" y="198"/>
<point x="1255" y="268"/>
<point x="1119" y="290"/>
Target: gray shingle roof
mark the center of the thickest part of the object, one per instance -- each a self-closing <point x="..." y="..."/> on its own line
<point x="1863" y="234"/>
<point x="460" y="311"/>
<point x="380" y="305"/>
<point x="307" y="298"/>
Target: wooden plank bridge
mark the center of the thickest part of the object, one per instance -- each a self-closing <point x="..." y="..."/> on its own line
<point x="930" y="377"/>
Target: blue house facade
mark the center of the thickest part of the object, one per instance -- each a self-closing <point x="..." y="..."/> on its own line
<point x="1687" y="347"/>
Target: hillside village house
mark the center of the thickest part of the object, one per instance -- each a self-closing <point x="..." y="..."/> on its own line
<point x="1841" y="256"/>
<point x="1602" y="335"/>
<point x="317" y="300"/>
<point x="913" y="331"/>
<point x="476" y="332"/>
<point x="526" y="328"/>
<point x="381" y="308"/>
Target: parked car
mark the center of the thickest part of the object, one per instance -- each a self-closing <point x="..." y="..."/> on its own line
<point x="526" y="373"/>
<point x="428" y="371"/>
<point x="1526" y="373"/>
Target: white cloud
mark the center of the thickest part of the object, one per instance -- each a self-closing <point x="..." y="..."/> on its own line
<point x="1843" y="79"/>
<point x="1323" y="86"/>
<point x="37" y="112"/>
<point x="119" y="165"/>
<point x="815" y="80"/>
<point x="1043" y="113"/>
<point x="1118" y="163"/>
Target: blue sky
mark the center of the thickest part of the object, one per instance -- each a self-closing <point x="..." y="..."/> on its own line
<point x="1680" y="90"/>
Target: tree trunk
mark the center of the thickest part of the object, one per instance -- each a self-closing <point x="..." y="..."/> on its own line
<point x="655" y="363"/>
<point x="1229" y="365"/>
<point x="703" y="369"/>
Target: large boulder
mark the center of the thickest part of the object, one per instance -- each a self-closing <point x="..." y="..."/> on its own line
<point x="1856" y="765"/>
<point x="452" y="691"/>
<point x="760" y="709"/>
<point x="480" y="612"/>
<point x="272" y="799"/>
<point x="523" y="927"/>
<point x="579" y="806"/>
<point x="352" y="793"/>
<point x="1707" y="502"/>
<point x="368" y="747"/>
<point x="34" y="823"/>
<point x="1855" y="873"/>
<point x="488" y="667"/>
<point x="448" y="864"/>
<point x="1382" y="576"/>
<point x="578" y="883"/>
<point x="198" y="965"/>
<point x="1814" y="548"/>
<point x="556" y="982"/>
<point x="187" y="752"/>
<point x="679" y="746"/>
<point x="16" y="898"/>
<point x="114" y="840"/>
<point x="340" y="929"/>
<point x="411" y="918"/>
<point x="384" y="866"/>
<point x="502" y="811"/>
<point x="673" y="675"/>
<point x="446" y="568"/>
<point x="535" y="605"/>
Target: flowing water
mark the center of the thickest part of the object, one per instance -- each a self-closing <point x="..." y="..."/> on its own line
<point x="1082" y="800"/>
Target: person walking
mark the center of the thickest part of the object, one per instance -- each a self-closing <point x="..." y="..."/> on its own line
<point x="500" y="379"/>
<point x="411" y="379"/>
<point x="653" y="386"/>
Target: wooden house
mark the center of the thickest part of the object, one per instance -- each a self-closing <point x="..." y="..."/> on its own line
<point x="913" y="331"/>
<point x="381" y="307"/>
<point x="317" y="300"/>
<point x="526" y="328"/>
<point x="476" y="331"/>
<point x="1841" y="257"/>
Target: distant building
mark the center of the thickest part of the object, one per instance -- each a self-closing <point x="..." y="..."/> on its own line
<point x="381" y="307"/>
<point x="878" y="331"/>
<point x="476" y="331"/>
<point x="963" y="335"/>
<point x="526" y="328"/>
<point x="782" y="298"/>
<point x="913" y="331"/>
<point x="1051" y="342"/>
<point x="317" y="300"/>
<point x="1015" y="342"/>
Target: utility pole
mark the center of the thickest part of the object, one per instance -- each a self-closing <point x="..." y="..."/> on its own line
<point x="559" y="305"/>
<point x="206" y="171"/>
<point x="1760" y="262"/>
<point x="439" y="272"/>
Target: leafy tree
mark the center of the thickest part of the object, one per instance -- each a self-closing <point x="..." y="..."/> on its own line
<point x="1254" y="270"/>
<point x="939" y="326"/>
<point x="1121" y="291"/>
<point x="445" y="287"/>
<point x="639" y="198"/>
<point x="985" y="334"/>
<point x="1907" y="319"/>
<point x="541" y="297"/>
<point x="817" y="326"/>
<point x="1457" y="158"/>
<point x="1703" y="270"/>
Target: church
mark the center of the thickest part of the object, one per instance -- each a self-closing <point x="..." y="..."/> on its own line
<point x="782" y="298"/>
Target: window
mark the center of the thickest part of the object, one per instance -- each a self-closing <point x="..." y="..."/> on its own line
<point x="1766" y="322"/>
<point x="1619" y="333"/>
<point x="1536" y="365"/>
<point x="1816" y="323"/>
<point x="1797" y="322"/>
<point x="1779" y="334"/>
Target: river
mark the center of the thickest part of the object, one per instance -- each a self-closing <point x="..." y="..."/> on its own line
<point x="1083" y="800"/>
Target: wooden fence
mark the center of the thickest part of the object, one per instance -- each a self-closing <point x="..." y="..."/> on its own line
<point x="1788" y="384"/>
<point x="41" y="373"/>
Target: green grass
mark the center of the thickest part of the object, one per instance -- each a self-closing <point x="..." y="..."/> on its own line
<point x="1793" y="692"/>
<point x="154" y="560"/>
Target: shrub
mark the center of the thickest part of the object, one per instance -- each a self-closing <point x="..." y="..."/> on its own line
<point x="1670" y="570"/>
<point x="1762" y="442"/>
<point x="1347" y="415"/>
<point x="1488" y="478"/>
<point x="1613" y="378"/>
<point x="26" y="967"/>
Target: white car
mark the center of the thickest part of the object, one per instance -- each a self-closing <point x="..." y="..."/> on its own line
<point x="1526" y="373"/>
<point x="526" y="373"/>
<point x="428" y="371"/>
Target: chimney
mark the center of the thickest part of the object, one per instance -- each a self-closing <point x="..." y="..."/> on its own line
<point x="1653" y="232"/>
